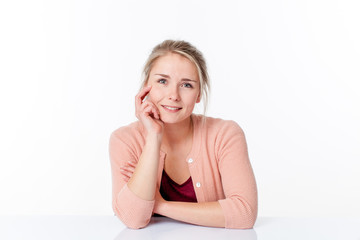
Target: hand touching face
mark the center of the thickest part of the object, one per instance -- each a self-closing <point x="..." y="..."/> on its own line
<point x="148" y="113"/>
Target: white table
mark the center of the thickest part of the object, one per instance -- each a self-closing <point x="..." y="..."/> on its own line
<point x="109" y="227"/>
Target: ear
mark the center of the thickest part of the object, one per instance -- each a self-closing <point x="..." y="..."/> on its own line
<point x="199" y="98"/>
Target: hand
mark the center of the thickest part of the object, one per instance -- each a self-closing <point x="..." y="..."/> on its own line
<point x="148" y="113"/>
<point x="127" y="170"/>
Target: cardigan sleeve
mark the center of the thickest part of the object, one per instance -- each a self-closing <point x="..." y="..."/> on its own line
<point x="133" y="211"/>
<point x="240" y="204"/>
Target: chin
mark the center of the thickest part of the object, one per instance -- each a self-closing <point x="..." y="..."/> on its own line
<point x="171" y="120"/>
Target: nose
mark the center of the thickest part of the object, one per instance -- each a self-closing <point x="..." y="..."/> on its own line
<point x="174" y="94"/>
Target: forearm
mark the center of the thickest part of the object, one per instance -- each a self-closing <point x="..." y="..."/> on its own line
<point x="143" y="181"/>
<point x="206" y="214"/>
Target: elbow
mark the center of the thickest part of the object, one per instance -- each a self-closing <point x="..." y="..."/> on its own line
<point x="242" y="220"/>
<point x="248" y="222"/>
<point x="133" y="211"/>
<point x="131" y="220"/>
<point x="247" y="216"/>
<point x="133" y="223"/>
<point x="239" y="214"/>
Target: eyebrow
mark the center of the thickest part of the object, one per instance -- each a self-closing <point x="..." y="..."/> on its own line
<point x="183" y="79"/>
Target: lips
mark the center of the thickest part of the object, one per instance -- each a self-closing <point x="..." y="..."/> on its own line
<point x="171" y="108"/>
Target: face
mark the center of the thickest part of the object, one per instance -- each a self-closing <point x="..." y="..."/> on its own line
<point x="175" y="87"/>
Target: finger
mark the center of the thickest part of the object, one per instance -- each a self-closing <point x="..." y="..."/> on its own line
<point x="125" y="178"/>
<point x="147" y="111"/>
<point x="155" y="111"/>
<point x="132" y="163"/>
<point x="146" y="92"/>
<point x="146" y="108"/>
<point x="144" y="105"/>
<point x="140" y="109"/>
<point x="141" y="95"/>
<point x="129" y="169"/>
<point x="126" y="173"/>
<point x="139" y="99"/>
<point x="158" y="113"/>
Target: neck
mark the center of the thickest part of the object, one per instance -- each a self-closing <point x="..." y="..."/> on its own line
<point x="177" y="133"/>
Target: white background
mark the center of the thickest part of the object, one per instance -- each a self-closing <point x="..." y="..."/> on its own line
<point x="286" y="71"/>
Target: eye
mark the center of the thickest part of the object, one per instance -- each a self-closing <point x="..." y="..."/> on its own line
<point x="162" y="81"/>
<point x="187" y="85"/>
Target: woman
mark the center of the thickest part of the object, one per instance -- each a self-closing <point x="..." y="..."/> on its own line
<point x="177" y="164"/>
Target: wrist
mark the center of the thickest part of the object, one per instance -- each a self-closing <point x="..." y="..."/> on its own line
<point x="153" y="137"/>
<point x="160" y="207"/>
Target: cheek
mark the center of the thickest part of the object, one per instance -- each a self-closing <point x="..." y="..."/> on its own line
<point x="154" y="94"/>
<point x="191" y="98"/>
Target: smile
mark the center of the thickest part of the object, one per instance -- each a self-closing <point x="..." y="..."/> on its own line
<point x="171" y="108"/>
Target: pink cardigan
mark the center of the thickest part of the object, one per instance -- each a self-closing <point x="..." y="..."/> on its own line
<point x="219" y="166"/>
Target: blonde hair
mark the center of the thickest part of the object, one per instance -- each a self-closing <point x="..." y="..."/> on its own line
<point x="190" y="52"/>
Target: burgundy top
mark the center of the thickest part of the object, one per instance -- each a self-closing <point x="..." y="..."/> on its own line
<point x="171" y="191"/>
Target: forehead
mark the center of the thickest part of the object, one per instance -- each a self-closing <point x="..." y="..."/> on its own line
<point x="175" y="64"/>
